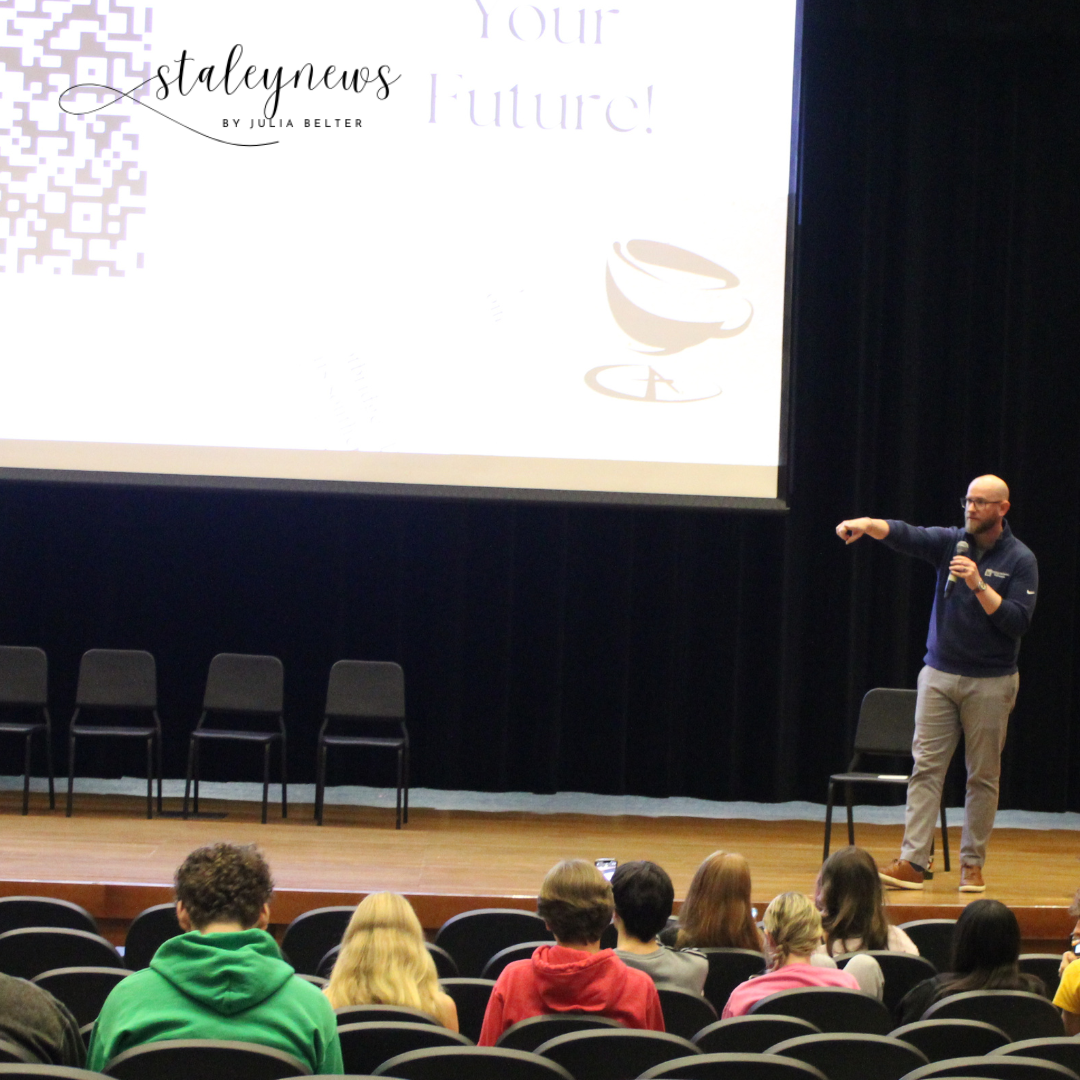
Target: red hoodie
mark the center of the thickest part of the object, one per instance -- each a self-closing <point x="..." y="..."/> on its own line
<point x="557" y="979"/>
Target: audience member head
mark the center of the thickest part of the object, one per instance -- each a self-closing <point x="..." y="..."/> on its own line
<point x="793" y="926"/>
<point x="986" y="950"/>
<point x="223" y="885"/>
<point x="644" y="897"/>
<point x="716" y="911"/>
<point x="851" y="900"/>
<point x="383" y="958"/>
<point x="576" y="903"/>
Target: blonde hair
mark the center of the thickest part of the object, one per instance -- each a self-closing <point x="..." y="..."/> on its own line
<point x="383" y="958"/>
<point x="794" y="925"/>
<point x="716" y="911"/>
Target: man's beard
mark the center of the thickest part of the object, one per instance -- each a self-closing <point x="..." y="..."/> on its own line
<point x="977" y="528"/>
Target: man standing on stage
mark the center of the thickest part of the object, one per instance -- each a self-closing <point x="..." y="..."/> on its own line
<point x="985" y="597"/>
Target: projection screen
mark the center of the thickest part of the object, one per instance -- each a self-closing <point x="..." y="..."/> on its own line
<point x="468" y="247"/>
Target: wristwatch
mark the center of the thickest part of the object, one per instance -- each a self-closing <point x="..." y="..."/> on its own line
<point x="981" y="587"/>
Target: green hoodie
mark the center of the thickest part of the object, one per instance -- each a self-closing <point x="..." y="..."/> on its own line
<point x="219" y="986"/>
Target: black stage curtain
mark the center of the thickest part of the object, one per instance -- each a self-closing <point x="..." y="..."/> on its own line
<point x="668" y="652"/>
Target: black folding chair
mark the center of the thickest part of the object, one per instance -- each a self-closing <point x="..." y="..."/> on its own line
<point x="473" y="937"/>
<point x="886" y="728"/>
<point x="685" y="1013"/>
<point x="364" y="1047"/>
<point x="941" y="1039"/>
<point x="534" y="1031"/>
<point x="310" y="936"/>
<point x="1019" y="1014"/>
<point x="370" y="695"/>
<point x="118" y="681"/>
<point x="846" y="1056"/>
<point x="614" y="1053"/>
<point x="82" y="989"/>
<point x="27" y="953"/>
<point x="901" y="972"/>
<point x="750" y="1034"/>
<point x="994" y="1067"/>
<point x="471" y="999"/>
<point x="181" y="1059"/>
<point x="727" y="969"/>
<point x="24" y="912"/>
<point x="522" y="951"/>
<point x="470" y="1063"/>
<point x="149" y="930"/>
<point x="830" y="1008"/>
<point x="382" y="1014"/>
<point x="24" y="697"/>
<point x="933" y="938"/>
<point x="734" y="1066"/>
<point x="242" y="687"/>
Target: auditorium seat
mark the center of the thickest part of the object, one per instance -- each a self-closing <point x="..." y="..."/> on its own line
<point x="941" y="1039"/>
<point x="471" y="998"/>
<point x="846" y="1056"/>
<point x="149" y="930"/>
<point x="366" y="1046"/>
<point x="212" y="1059"/>
<point x="901" y="972"/>
<point x="933" y="938"/>
<point x="474" y="937"/>
<point x="82" y="989"/>
<point x="1019" y="1014"/>
<point x="830" y="1008"/>
<point x="311" y="935"/>
<point x="23" y="912"/>
<point x="470" y="1063"/>
<point x="728" y="968"/>
<point x="523" y="950"/>
<point x="685" y="1013"/>
<point x="750" y="1034"/>
<point x="735" y="1067"/>
<point x="533" y="1031"/>
<point x="614" y="1053"/>
<point x="27" y="953"/>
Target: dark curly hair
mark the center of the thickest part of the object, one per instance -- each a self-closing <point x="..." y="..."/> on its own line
<point x="575" y="901"/>
<point x="224" y="883"/>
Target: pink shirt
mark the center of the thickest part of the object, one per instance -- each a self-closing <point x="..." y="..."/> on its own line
<point x="789" y="977"/>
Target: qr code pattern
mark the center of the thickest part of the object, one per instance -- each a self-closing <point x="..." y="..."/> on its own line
<point x="69" y="184"/>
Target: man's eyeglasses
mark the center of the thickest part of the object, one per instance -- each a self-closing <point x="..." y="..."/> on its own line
<point x="978" y="504"/>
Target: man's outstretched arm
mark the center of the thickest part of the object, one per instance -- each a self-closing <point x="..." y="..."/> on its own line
<point x="850" y="531"/>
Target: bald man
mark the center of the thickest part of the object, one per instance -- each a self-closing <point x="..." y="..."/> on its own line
<point x="969" y="681"/>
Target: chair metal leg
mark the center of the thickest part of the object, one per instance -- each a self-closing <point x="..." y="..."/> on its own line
<point x="150" y="778"/>
<point x="49" y="763"/>
<point x="159" y="774"/>
<point x="850" y="816"/>
<point x="320" y="781"/>
<point x="71" y="774"/>
<point x="944" y="835"/>
<point x="26" y="776"/>
<point x="187" y="779"/>
<point x="406" y="783"/>
<point x="828" y="820"/>
<point x="398" y="819"/>
<point x="284" y="780"/>
<point x="266" y="778"/>
<point x="198" y="762"/>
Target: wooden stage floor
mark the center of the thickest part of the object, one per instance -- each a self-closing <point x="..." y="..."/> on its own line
<point x="115" y="863"/>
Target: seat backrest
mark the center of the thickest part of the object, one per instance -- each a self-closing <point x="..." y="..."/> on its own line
<point x="933" y="938"/>
<point x="830" y="1008"/>
<point x="727" y="969"/>
<point x="534" y="1031"/>
<point x="445" y="965"/>
<point x="82" y="989"/>
<point x="15" y="1071"/>
<point x="471" y="998"/>
<point x="182" y="1059"/>
<point x="24" y="676"/>
<point x="22" y="912"/>
<point x="735" y="1067"/>
<point x="1019" y="1014"/>
<point x="366" y="1046"/>
<point x="994" y="1067"/>
<point x="685" y="1013"/>
<point x="470" y="1063"/>
<point x="1043" y="966"/>
<point x="941" y="1039"/>
<point x="310" y="936"/>
<point x="1060" y="1048"/>
<point x="521" y="951"/>
<point x="886" y="722"/>
<point x="846" y="1056"/>
<point x="473" y="937"/>
<point x="382" y="1014"/>
<point x="901" y="972"/>
<point x="614" y="1053"/>
<point x="13" y="1053"/>
<point x="117" y="679"/>
<point x="241" y="682"/>
<point x="750" y="1034"/>
<point x="149" y="930"/>
<point x="26" y="953"/>
<point x="366" y="688"/>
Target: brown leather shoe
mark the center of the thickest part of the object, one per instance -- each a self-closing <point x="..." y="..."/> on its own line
<point x="900" y="874"/>
<point x="971" y="879"/>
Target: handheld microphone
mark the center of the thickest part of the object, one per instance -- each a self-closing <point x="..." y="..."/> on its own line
<point x="962" y="548"/>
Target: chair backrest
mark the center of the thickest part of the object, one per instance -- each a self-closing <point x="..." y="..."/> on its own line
<point x="182" y="1059"/>
<point x="735" y="1067"/>
<point x="846" y="1056"/>
<point x="471" y="1063"/>
<point x="521" y="951"/>
<point x="445" y="965"/>
<point x="685" y="1013"/>
<point x="886" y="722"/>
<point x="901" y="972"/>
<point x="310" y="936"/>
<point x="82" y="989"/>
<point x="829" y="1008"/>
<point x="15" y="1071"/>
<point x="26" y="953"/>
<point x="149" y="930"/>
<point x="374" y="689"/>
<point x="117" y="679"/>
<point x="534" y="1031"/>
<point x="614" y="1053"/>
<point x="473" y="937"/>
<point x="24" y="676"/>
<point x="1019" y="1014"/>
<point x="382" y="1014"/>
<point x="727" y="969"/>
<point x="941" y="1039"/>
<point x="750" y="1034"/>
<point x="471" y="998"/>
<point x="11" y="1052"/>
<point x="1043" y="966"/>
<point x="23" y="912"/>
<point x="244" y="683"/>
<point x="994" y="1067"/>
<point x="1060" y="1048"/>
<point x="933" y="938"/>
<point x="366" y="1046"/>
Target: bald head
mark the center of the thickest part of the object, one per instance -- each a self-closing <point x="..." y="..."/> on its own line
<point x="990" y="487"/>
